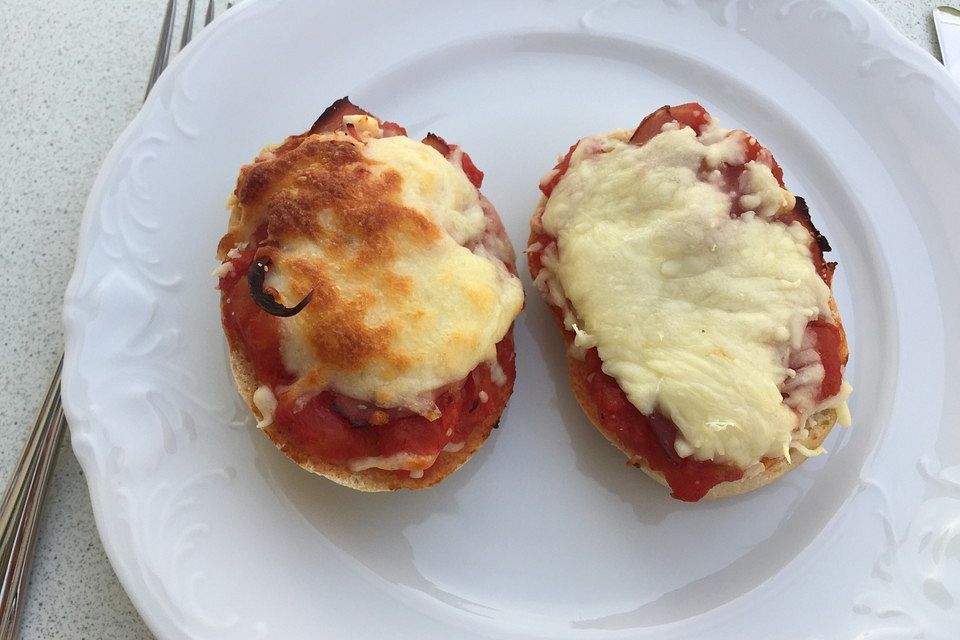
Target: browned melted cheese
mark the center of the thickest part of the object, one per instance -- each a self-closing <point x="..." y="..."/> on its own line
<point x="400" y="307"/>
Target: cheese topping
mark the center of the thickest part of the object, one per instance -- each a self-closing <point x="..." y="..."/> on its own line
<point x="390" y="237"/>
<point x="266" y="404"/>
<point x="694" y="313"/>
<point x="366" y="125"/>
<point x="398" y="461"/>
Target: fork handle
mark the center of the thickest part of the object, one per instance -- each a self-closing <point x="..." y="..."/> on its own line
<point x="22" y="503"/>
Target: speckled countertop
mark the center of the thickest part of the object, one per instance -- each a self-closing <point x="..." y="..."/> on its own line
<point x="72" y="75"/>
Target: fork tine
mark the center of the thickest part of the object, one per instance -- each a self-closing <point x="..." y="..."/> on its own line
<point x="187" y="24"/>
<point x="163" y="46"/>
<point x="207" y="19"/>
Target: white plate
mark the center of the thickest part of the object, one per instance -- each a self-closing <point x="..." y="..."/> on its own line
<point x="545" y="533"/>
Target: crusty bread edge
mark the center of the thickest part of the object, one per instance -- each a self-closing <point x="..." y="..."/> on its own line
<point x="818" y="425"/>
<point x="369" y="479"/>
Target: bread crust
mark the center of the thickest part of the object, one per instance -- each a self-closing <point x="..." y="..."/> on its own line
<point x="818" y="425"/>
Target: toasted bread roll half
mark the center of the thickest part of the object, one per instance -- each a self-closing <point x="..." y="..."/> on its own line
<point x="702" y="336"/>
<point x="368" y="293"/>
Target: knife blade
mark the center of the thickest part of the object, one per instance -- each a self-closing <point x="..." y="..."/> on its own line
<point x="947" y="22"/>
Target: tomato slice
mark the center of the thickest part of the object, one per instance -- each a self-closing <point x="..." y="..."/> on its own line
<point x="473" y="174"/>
<point x="559" y="170"/>
<point x="828" y="341"/>
<point x="691" y="114"/>
<point x="448" y="150"/>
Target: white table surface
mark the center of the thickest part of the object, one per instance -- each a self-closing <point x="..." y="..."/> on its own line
<point x="72" y="75"/>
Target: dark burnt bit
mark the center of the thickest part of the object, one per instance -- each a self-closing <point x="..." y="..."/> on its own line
<point x="496" y="425"/>
<point x="256" y="274"/>
<point x="803" y="212"/>
<point x="438" y="143"/>
<point x="332" y="117"/>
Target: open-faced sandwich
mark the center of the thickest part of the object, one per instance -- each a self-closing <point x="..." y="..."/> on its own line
<point x="703" y="338"/>
<point x="368" y="293"/>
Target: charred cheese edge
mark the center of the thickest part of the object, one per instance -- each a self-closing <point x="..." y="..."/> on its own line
<point x="694" y="313"/>
<point x="409" y="292"/>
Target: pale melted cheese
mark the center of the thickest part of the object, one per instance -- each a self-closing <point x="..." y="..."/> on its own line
<point x="451" y="308"/>
<point x="694" y="313"/>
<point x="398" y="461"/>
<point x="366" y="125"/>
<point x="266" y="404"/>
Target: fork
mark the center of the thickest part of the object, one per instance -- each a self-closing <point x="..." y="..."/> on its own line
<point x="22" y="501"/>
